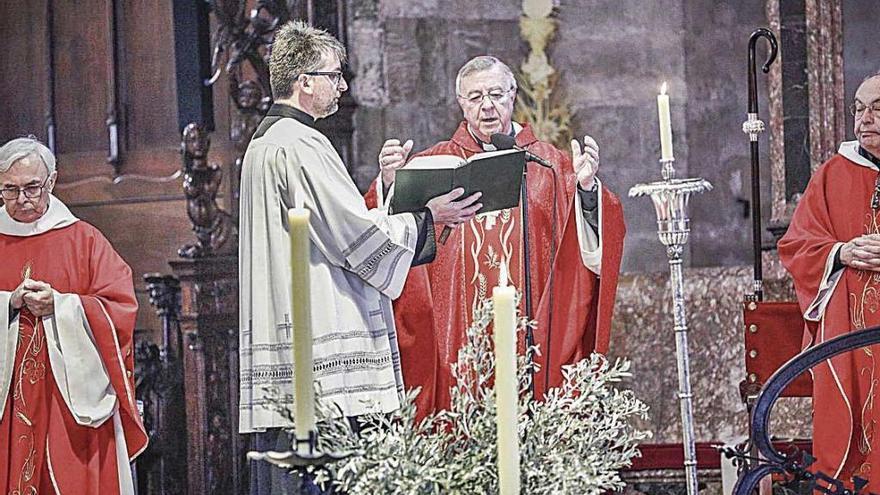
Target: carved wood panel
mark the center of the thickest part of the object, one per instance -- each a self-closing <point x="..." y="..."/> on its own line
<point x="209" y="332"/>
<point x="23" y="68"/>
<point x="111" y="61"/>
<point x="81" y="88"/>
<point x="147" y="90"/>
<point x="161" y="469"/>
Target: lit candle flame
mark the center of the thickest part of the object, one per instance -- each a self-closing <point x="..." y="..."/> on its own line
<point x="502" y="279"/>
<point x="663" y="88"/>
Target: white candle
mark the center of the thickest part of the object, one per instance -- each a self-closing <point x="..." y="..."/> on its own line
<point x="303" y="374"/>
<point x="665" y="124"/>
<point x="506" y="390"/>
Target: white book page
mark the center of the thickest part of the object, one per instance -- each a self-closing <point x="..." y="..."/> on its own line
<point x="490" y="154"/>
<point x="434" y="162"/>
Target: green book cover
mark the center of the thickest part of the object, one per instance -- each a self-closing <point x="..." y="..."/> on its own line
<point x="497" y="174"/>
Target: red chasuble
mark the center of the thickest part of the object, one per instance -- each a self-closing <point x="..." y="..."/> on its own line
<point x="437" y="303"/>
<point x="43" y="449"/>
<point x="836" y="207"/>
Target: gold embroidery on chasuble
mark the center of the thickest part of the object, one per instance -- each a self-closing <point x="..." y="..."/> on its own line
<point x="27" y="400"/>
<point x="28" y="389"/>
<point x="864" y="298"/>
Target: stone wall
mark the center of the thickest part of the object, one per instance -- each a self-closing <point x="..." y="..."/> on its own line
<point x="613" y="56"/>
<point x="716" y="71"/>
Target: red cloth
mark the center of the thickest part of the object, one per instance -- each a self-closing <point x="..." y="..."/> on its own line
<point x="75" y="259"/>
<point x="836" y="208"/>
<point x="436" y="306"/>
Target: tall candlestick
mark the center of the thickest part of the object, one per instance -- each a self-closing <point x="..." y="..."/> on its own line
<point x="670" y="197"/>
<point x="303" y="374"/>
<point x="506" y="394"/>
<point x="665" y="124"/>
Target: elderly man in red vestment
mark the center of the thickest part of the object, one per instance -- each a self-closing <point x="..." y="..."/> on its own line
<point x="832" y="249"/>
<point x="68" y="419"/>
<point x="575" y="233"/>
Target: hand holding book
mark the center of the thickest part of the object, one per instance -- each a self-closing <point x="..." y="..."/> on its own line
<point x="453" y="209"/>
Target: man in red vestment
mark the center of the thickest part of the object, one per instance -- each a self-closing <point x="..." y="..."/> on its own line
<point x="575" y="234"/>
<point x="68" y="419"/>
<point x="832" y="250"/>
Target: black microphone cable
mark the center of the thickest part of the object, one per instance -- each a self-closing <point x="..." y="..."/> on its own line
<point x="555" y="219"/>
<point x="551" y="263"/>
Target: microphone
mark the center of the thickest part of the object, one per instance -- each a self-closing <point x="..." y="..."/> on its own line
<point x="508" y="142"/>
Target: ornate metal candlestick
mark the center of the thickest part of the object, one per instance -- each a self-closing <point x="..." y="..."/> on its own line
<point x="670" y="197"/>
<point x="305" y="453"/>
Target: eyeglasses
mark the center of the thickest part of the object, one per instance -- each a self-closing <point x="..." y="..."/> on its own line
<point x="335" y="76"/>
<point x="858" y="109"/>
<point x="30" y="192"/>
<point x="495" y="96"/>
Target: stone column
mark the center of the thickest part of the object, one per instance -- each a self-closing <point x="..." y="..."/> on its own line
<point x="825" y="74"/>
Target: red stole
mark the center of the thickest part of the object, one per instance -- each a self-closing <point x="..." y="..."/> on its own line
<point x="75" y="259"/>
<point x="836" y="208"/>
<point x="25" y="425"/>
<point x="436" y="306"/>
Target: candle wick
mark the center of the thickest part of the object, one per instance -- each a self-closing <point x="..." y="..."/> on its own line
<point x="502" y="279"/>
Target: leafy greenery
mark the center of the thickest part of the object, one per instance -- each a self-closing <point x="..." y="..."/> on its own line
<point x="575" y="441"/>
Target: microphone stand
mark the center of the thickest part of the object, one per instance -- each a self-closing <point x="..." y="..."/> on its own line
<point x="530" y="334"/>
<point x="505" y="142"/>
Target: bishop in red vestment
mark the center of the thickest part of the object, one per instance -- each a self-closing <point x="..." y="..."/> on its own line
<point x="575" y="248"/>
<point x="68" y="419"/>
<point x="832" y="250"/>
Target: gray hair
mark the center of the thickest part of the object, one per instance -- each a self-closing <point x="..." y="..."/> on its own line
<point x="482" y="64"/>
<point x="298" y="48"/>
<point x="23" y="147"/>
<point x="871" y="76"/>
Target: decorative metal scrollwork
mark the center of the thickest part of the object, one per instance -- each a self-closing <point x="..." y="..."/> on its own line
<point x="794" y="465"/>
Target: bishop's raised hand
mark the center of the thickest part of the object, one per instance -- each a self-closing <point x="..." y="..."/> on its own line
<point x="586" y="162"/>
<point x="393" y="156"/>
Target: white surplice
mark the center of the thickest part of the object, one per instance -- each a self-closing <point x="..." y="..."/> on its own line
<point x="359" y="261"/>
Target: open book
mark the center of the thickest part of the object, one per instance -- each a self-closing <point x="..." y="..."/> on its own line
<point x="497" y="174"/>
